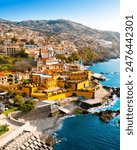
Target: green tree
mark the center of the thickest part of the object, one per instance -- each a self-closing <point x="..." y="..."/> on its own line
<point x="60" y="56"/>
<point x="21" y="54"/>
<point x="28" y="105"/>
<point x="70" y="58"/>
<point x="5" y="67"/>
<point x="18" y="100"/>
<point x="4" y="59"/>
<point x="75" y="56"/>
<point x="89" y="55"/>
<point x="21" y="66"/>
<point x="30" y="42"/>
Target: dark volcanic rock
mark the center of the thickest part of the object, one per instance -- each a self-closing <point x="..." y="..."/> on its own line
<point x="119" y="123"/>
<point x="107" y="115"/>
<point x="114" y="91"/>
<point x="88" y="63"/>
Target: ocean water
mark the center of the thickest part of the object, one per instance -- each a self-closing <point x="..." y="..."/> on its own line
<point x="111" y="70"/>
<point x="87" y="132"/>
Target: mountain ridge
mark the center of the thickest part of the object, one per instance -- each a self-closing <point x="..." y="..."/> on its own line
<point x="35" y="20"/>
<point x="105" y="43"/>
<point x="43" y="24"/>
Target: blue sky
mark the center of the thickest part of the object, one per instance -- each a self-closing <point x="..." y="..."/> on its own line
<point x="98" y="14"/>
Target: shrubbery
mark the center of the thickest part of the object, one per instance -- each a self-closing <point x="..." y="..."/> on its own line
<point x="14" y="62"/>
<point x="28" y="106"/>
<point x="3" y="128"/>
<point x="73" y="57"/>
<point x="18" y="100"/>
<point x="23" y="105"/>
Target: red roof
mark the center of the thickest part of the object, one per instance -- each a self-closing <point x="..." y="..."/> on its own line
<point x="1" y="74"/>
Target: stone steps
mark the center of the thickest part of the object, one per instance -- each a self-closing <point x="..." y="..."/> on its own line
<point x="28" y="141"/>
<point x="18" y="141"/>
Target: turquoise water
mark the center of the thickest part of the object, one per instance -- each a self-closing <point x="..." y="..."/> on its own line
<point x="111" y="70"/>
<point x="87" y="132"/>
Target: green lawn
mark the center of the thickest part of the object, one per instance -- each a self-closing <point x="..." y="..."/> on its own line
<point x="12" y="109"/>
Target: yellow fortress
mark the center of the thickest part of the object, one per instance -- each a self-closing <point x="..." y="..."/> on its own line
<point x="56" y="86"/>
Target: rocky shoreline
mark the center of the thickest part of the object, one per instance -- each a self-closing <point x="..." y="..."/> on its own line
<point x="107" y="115"/>
<point x="99" y="61"/>
<point x="113" y="91"/>
<point x="49" y="125"/>
<point x="46" y="125"/>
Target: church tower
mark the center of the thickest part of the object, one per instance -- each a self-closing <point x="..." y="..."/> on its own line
<point x="39" y="61"/>
<point x="40" y="55"/>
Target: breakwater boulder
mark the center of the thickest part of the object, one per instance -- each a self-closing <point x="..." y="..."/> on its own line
<point x="113" y="91"/>
<point x="119" y="123"/>
<point x="107" y="115"/>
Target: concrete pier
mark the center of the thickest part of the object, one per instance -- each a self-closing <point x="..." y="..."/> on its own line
<point x="93" y="102"/>
<point x="64" y="110"/>
<point x="98" y="76"/>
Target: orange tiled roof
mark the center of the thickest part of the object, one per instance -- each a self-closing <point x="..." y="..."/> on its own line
<point x="49" y="79"/>
<point x="54" y="74"/>
<point x="44" y="58"/>
<point x="56" y="70"/>
<point x="1" y="74"/>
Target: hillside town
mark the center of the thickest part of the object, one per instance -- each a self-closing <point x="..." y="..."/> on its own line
<point x="62" y="36"/>
<point x="51" y="83"/>
<point x="42" y="77"/>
